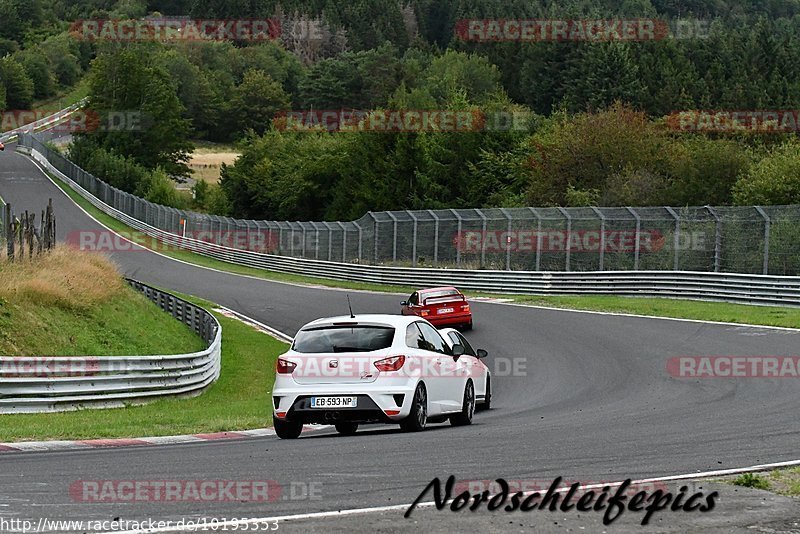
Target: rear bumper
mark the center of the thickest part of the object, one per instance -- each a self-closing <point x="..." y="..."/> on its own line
<point x="366" y="412"/>
<point x="450" y="319"/>
<point x="375" y="404"/>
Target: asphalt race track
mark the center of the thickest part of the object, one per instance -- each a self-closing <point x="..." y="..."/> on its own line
<point x="595" y="403"/>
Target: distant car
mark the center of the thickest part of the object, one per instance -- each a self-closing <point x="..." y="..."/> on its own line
<point x="351" y="370"/>
<point x="2" y="146"/>
<point x="442" y="306"/>
<point x="453" y="338"/>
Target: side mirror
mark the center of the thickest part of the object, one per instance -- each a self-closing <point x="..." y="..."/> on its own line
<point x="404" y="303"/>
<point x="458" y="350"/>
<point x="481" y="353"/>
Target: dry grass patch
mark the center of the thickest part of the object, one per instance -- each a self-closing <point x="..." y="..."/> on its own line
<point x="64" y="278"/>
<point x="72" y="303"/>
<point x="206" y="164"/>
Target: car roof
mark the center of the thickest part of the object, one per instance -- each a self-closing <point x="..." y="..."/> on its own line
<point x="397" y="321"/>
<point x="448" y="330"/>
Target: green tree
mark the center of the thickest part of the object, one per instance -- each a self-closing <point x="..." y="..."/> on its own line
<point x="18" y="85"/>
<point x="603" y="73"/>
<point x="256" y="100"/>
<point x="127" y="79"/>
<point x="583" y="152"/>
<point x="706" y="170"/>
<point x="159" y="189"/>
<point x="775" y="179"/>
<point x="456" y="71"/>
<point x="331" y="84"/>
<point x="38" y="70"/>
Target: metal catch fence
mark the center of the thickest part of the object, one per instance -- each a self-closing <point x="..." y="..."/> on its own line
<point x="751" y="239"/>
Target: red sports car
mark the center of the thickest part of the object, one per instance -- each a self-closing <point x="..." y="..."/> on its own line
<point x="441" y="306"/>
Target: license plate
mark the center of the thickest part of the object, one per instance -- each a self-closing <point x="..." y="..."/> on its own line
<point x="334" y="402"/>
<point x="445" y="310"/>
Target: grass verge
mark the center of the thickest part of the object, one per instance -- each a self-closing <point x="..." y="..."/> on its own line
<point x="238" y="400"/>
<point x="780" y="481"/>
<point x="67" y="303"/>
<point x="658" y="307"/>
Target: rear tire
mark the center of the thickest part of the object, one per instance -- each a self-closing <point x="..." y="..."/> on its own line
<point x="467" y="408"/>
<point x="487" y="400"/>
<point x="418" y="417"/>
<point x="346" y="428"/>
<point x="468" y="326"/>
<point x="288" y="429"/>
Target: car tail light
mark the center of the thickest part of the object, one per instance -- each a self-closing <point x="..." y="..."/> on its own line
<point x="285" y="367"/>
<point x="390" y="364"/>
<point x="465" y="307"/>
<point x="423" y="313"/>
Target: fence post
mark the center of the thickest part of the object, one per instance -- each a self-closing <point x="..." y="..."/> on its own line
<point x="344" y="241"/>
<point x="303" y="228"/>
<point x="458" y="248"/>
<point x="676" y="238"/>
<point x="435" y="237"/>
<point x="603" y="236"/>
<point x="508" y="238"/>
<point x="637" y="248"/>
<point x="767" y="224"/>
<point x="330" y="240"/>
<point x="394" y="236"/>
<point x="717" y="238"/>
<point x="483" y="239"/>
<point x="291" y="239"/>
<point x="569" y="236"/>
<point x="413" y="239"/>
<point x="538" y="238"/>
<point x="316" y="240"/>
<point x="9" y="221"/>
<point x="360" y="239"/>
<point x="375" y="256"/>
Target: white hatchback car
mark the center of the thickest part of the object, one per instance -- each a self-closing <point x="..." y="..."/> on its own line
<point x="375" y="369"/>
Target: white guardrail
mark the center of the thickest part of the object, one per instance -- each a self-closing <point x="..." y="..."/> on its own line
<point x="46" y="122"/>
<point x="53" y="384"/>
<point x="728" y="287"/>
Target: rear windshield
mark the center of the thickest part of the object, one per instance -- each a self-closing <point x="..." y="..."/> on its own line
<point x="343" y="339"/>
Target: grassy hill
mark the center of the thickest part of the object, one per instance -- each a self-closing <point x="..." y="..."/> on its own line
<point x="71" y="303"/>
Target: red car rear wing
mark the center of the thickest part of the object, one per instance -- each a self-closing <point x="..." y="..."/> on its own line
<point x="444" y="298"/>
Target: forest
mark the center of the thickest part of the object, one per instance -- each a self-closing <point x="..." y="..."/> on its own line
<point x="599" y="117"/>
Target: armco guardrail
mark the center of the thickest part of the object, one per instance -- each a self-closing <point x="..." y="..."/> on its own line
<point x="49" y="121"/>
<point x="50" y="384"/>
<point x="743" y="288"/>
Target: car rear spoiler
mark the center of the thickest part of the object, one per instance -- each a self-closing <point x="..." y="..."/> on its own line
<point x="444" y="298"/>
